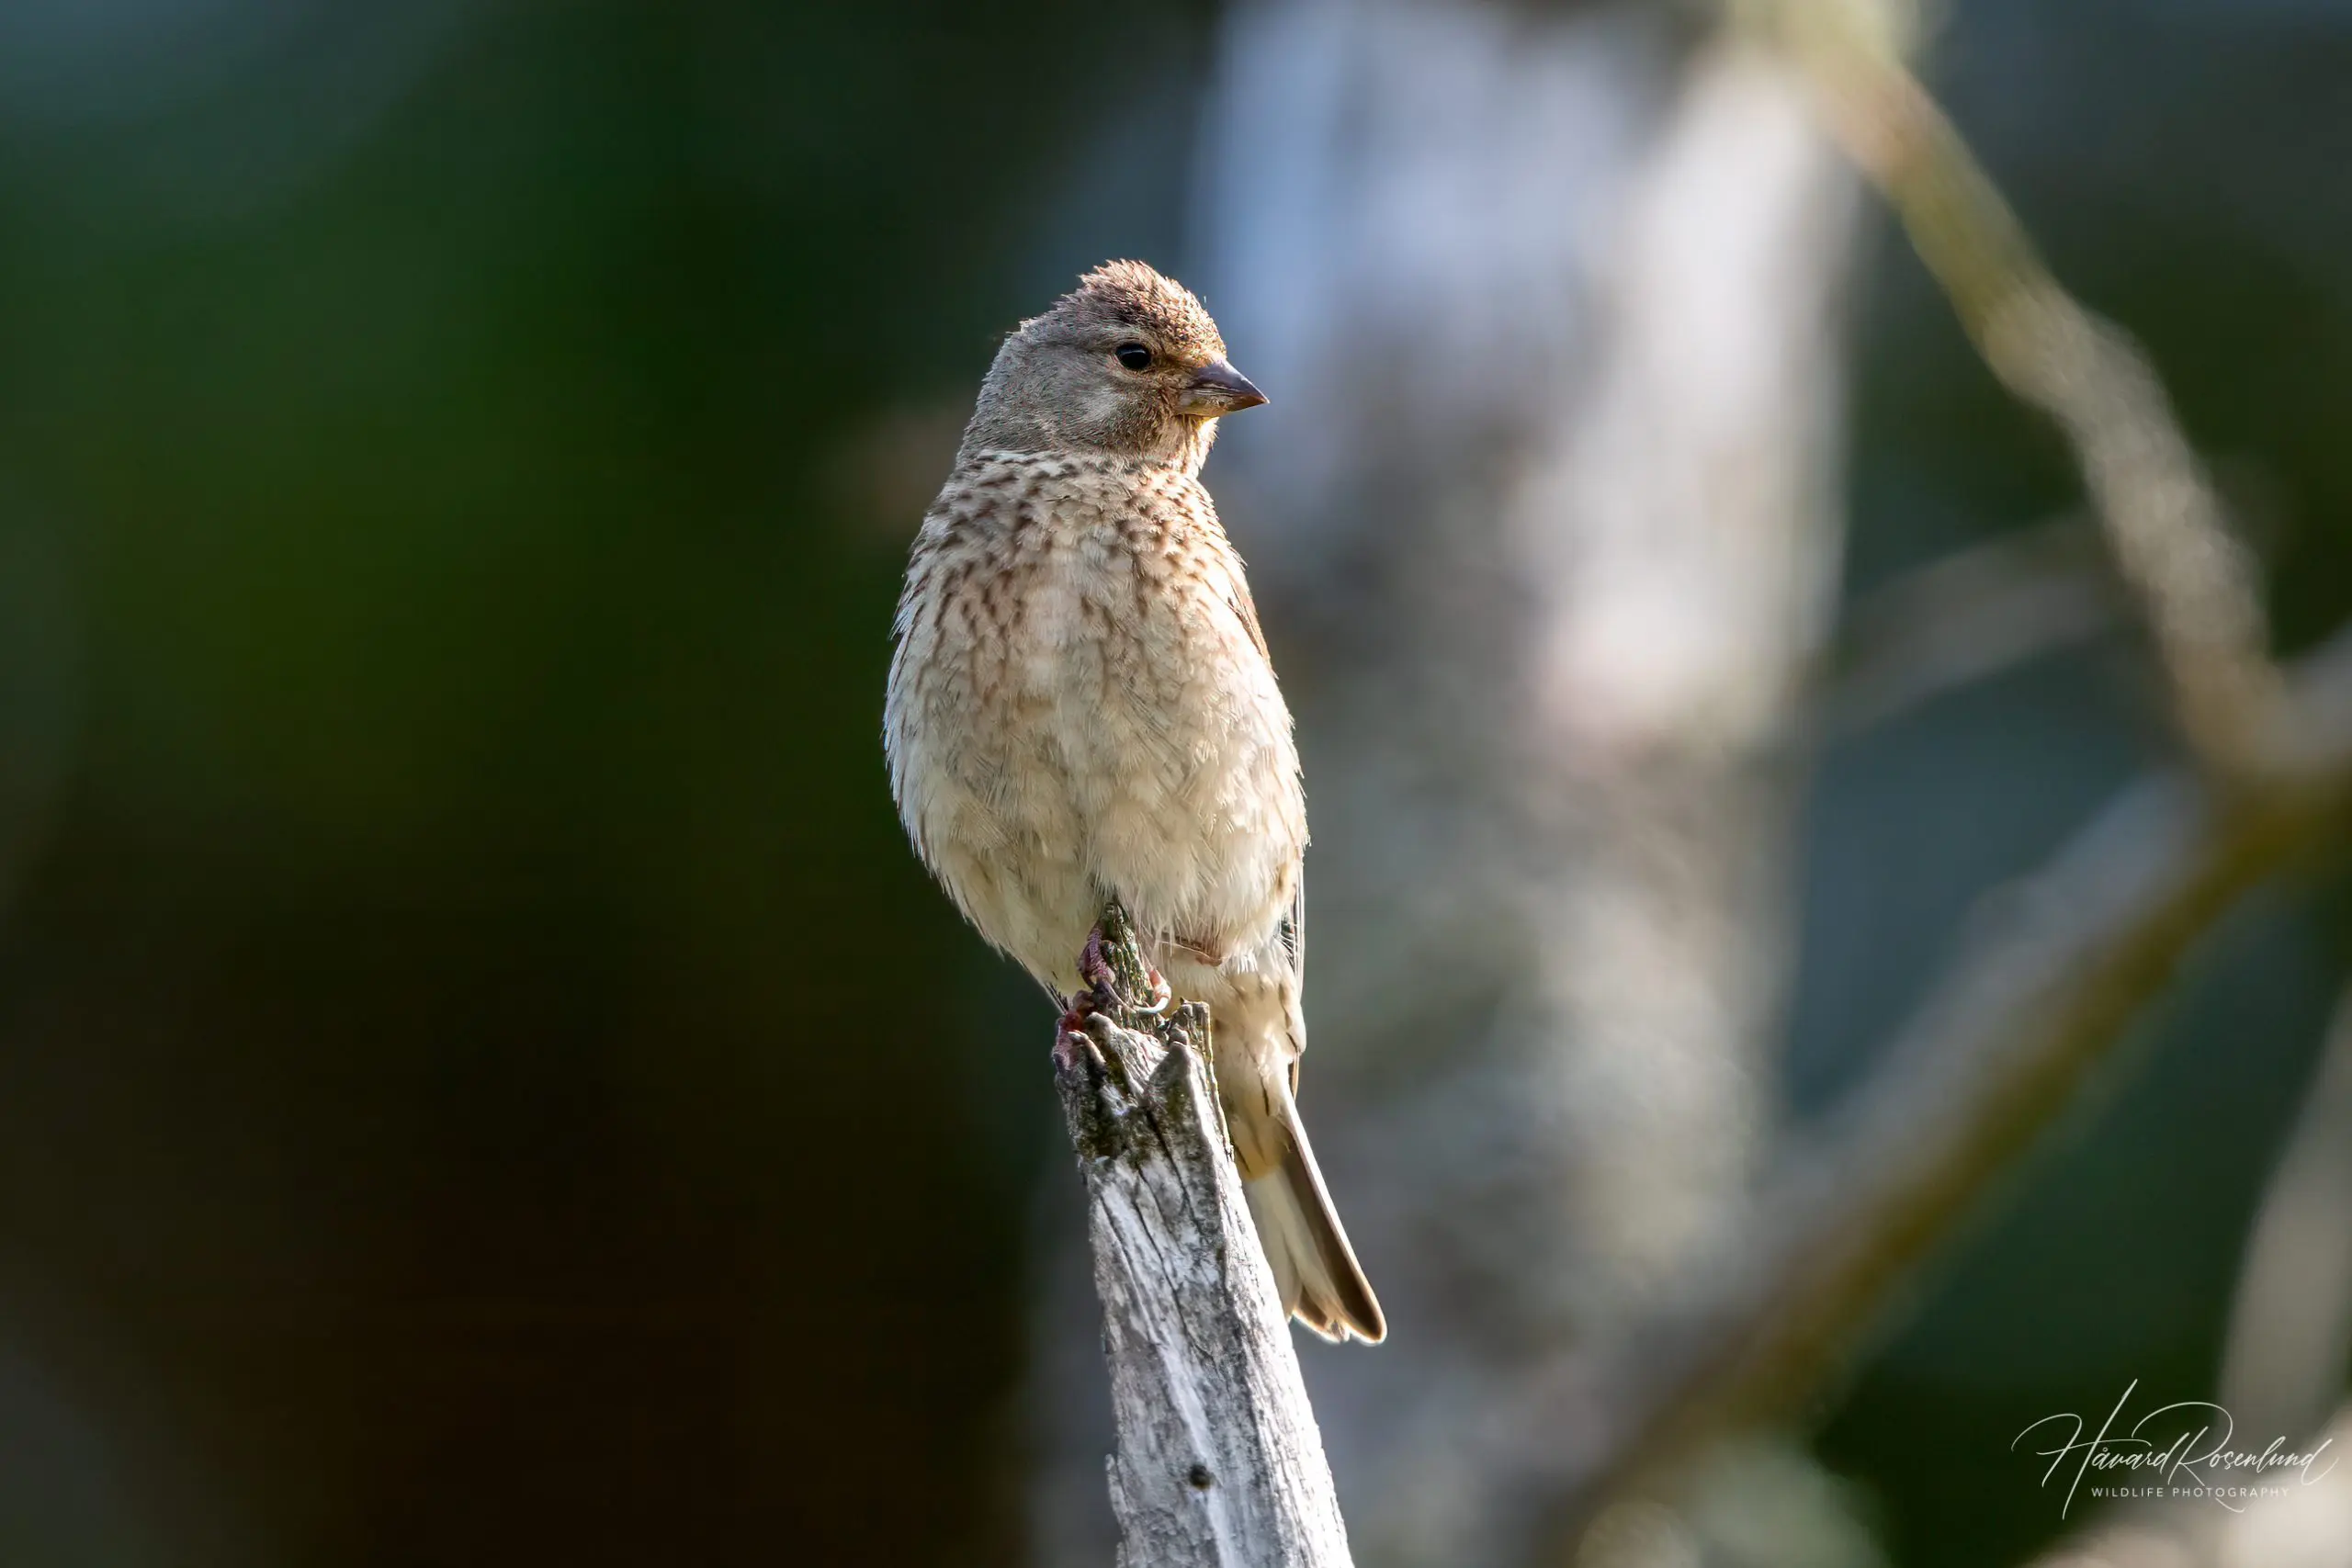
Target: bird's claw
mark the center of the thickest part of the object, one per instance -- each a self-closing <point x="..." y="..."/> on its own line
<point x="1160" y="997"/>
<point x="1094" y="968"/>
<point x="1082" y="1006"/>
<point x="1075" y="1047"/>
<point x="1103" y="994"/>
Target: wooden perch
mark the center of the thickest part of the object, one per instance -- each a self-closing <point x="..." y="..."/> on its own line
<point x="1219" y="1464"/>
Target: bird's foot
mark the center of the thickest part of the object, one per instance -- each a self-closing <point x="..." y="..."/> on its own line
<point x="1160" y="997"/>
<point x="1102" y="991"/>
<point x="1074" y="1043"/>
<point x="1094" y="968"/>
<point x="1081" y="1006"/>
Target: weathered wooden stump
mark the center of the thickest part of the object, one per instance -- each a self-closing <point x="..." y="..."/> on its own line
<point x="1219" y="1462"/>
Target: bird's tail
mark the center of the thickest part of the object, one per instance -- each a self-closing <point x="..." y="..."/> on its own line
<point x="1315" y="1269"/>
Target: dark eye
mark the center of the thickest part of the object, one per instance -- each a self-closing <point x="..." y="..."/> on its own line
<point x="1134" y="356"/>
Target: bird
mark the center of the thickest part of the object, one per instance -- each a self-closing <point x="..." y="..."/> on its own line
<point x="1081" y="708"/>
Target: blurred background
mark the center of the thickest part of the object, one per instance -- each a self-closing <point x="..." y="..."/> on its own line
<point x="482" y="1078"/>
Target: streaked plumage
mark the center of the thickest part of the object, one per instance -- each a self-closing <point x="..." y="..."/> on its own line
<point x="1082" y="706"/>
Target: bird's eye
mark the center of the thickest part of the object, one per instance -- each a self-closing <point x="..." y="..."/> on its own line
<point x="1134" y="356"/>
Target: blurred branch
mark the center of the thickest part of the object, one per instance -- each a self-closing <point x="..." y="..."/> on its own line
<point x="2290" y="1327"/>
<point x="1967" y="617"/>
<point x="2163" y="521"/>
<point x="2064" y="965"/>
<point x="2282" y="1368"/>
<point x="2060" y="969"/>
<point x="1219" y="1464"/>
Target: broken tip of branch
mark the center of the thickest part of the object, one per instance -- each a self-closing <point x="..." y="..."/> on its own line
<point x="1219" y="1462"/>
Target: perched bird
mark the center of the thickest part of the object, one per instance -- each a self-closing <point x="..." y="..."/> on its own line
<point x="1081" y="707"/>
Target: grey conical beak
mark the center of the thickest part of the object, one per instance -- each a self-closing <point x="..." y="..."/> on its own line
<point x="1217" y="388"/>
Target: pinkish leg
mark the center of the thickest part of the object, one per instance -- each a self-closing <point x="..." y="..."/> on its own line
<point x="1102" y="992"/>
<point x="1094" y="968"/>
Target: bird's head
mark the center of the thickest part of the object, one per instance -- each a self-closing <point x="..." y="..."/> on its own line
<point x="1128" y="362"/>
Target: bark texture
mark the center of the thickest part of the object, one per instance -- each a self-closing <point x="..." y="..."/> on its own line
<point x="1219" y="1464"/>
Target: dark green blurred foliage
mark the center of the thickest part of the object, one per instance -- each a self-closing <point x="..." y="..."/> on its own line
<point x="480" y="1078"/>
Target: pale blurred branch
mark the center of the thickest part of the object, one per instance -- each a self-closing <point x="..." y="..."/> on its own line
<point x="2163" y="521"/>
<point x="2064" y="965"/>
<point x="2283" y="1366"/>
<point x="2061" y="966"/>
<point x="2059" y="970"/>
<point x="1219" y="1462"/>
<point x="2291" y="1327"/>
<point x="1966" y="617"/>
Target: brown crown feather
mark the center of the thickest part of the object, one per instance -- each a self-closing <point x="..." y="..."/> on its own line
<point x="1135" y="295"/>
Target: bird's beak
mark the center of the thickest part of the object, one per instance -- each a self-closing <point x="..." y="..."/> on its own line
<point x="1217" y="388"/>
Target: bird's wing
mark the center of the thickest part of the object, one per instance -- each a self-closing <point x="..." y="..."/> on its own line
<point x="1238" y="587"/>
<point x="1294" y="935"/>
<point x="1294" y="927"/>
<point x="1294" y="930"/>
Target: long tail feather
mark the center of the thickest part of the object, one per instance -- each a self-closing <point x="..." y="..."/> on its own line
<point x="1315" y="1269"/>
